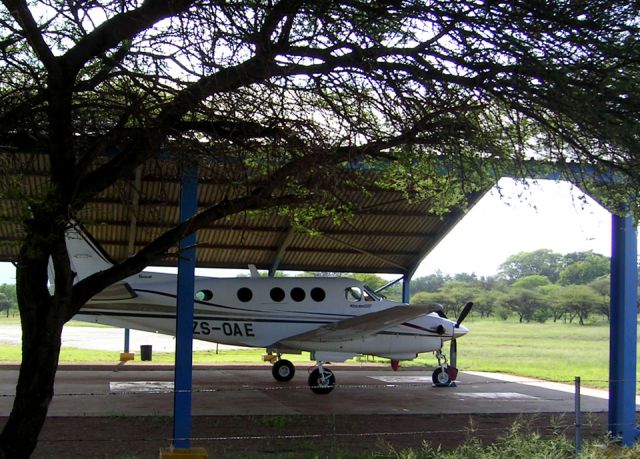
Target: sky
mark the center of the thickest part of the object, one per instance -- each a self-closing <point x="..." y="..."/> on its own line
<point x="542" y="214"/>
<point x="516" y="218"/>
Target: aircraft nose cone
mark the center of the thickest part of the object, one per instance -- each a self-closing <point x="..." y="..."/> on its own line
<point x="460" y="331"/>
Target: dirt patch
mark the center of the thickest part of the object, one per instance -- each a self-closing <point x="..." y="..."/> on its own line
<point x="289" y="436"/>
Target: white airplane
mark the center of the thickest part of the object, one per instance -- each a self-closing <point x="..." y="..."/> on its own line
<point x="332" y="318"/>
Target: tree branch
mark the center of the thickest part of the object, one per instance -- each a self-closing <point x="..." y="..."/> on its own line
<point x="21" y="13"/>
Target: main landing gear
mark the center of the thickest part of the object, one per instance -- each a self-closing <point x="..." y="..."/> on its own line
<point x="321" y="379"/>
<point x="283" y="370"/>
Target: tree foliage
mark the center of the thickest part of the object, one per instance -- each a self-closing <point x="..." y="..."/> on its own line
<point x="581" y="288"/>
<point x="579" y="301"/>
<point x="586" y="268"/>
<point x="542" y="262"/>
<point x="284" y="102"/>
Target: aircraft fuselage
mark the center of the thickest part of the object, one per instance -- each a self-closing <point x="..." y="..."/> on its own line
<point x="262" y="312"/>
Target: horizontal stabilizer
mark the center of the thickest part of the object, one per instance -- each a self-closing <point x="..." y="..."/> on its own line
<point x="364" y="325"/>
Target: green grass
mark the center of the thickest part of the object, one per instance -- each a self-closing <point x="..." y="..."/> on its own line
<point x="550" y="351"/>
<point x="12" y="354"/>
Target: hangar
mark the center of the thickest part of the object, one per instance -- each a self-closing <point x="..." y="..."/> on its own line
<point x="385" y="234"/>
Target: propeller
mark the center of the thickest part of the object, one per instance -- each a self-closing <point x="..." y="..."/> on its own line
<point x="465" y="312"/>
<point x="453" y="350"/>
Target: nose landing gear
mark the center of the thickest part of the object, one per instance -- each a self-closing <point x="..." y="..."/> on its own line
<point x="444" y="375"/>
<point x="321" y="379"/>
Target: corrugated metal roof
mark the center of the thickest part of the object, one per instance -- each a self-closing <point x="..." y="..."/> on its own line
<point x="385" y="233"/>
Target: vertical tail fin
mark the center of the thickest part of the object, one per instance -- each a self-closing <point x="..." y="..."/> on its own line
<point x="85" y="254"/>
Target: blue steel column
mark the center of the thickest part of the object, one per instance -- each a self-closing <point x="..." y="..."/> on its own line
<point x="406" y="289"/>
<point x="623" y="330"/>
<point x="184" y="315"/>
<point x="126" y="340"/>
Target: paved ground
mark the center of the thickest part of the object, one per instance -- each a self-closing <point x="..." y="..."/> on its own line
<point x="144" y="389"/>
<point x="124" y="410"/>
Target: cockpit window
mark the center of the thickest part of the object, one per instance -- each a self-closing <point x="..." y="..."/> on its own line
<point x="203" y="295"/>
<point x="353" y="294"/>
<point x="370" y="295"/>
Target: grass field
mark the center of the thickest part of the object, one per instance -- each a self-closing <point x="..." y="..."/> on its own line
<point x="551" y="351"/>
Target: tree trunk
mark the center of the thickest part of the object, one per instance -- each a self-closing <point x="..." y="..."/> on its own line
<point x="42" y="317"/>
<point x="34" y="392"/>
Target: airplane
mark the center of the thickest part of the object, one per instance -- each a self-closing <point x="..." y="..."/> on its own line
<point x="332" y="318"/>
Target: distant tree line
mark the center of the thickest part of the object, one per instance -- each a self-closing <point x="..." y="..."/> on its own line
<point x="534" y="286"/>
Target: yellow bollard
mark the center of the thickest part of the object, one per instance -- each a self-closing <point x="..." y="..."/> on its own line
<point x="126" y="356"/>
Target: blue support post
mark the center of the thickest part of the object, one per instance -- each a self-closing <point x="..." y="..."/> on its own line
<point x="406" y="289"/>
<point x="126" y="339"/>
<point x="623" y="330"/>
<point x="184" y="315"/>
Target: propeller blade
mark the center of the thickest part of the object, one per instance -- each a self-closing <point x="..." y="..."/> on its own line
<point x="465" y="312"/>
<point x="453" y="354"/>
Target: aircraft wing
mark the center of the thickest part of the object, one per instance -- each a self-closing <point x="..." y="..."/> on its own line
<point x="364" y="325"/>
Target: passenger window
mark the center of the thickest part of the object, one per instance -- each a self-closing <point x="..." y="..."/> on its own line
<point x="317" y="294"/>
<point x="297" y="294"/>
<point x="245" y="295"/>
<point x="277" y="294"/>
<point x="353" y="294"/>
<point x="203" y="295"/>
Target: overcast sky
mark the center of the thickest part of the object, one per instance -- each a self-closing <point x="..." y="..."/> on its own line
<point x="540" y="215"/>
<point x="522" y="218"/>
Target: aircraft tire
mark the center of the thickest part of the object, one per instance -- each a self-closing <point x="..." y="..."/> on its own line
<point x="317" y="385"/>
<point x="283" y="370"/>
<point x="440" y="377"/>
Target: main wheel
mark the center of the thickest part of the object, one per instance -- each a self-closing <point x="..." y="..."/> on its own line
<point x="441" y="377"/>
<point x="283" y="370"/>
<point x="321" y="384"/>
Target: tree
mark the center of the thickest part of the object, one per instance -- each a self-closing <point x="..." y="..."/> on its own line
<point x="579" y="301"/>
<point x="452" y="296"/>
<point x="531" y="282"/>
<point x="586" y="268"/>
<point x="602" y="286"/>
<point x="5" y="303"/>
<point x="430" y="283"/>
<point x="542" y="262"/>
<point x="528" y="304"/>
<point x="485" y="302"/>
<point x="282" y="102"/>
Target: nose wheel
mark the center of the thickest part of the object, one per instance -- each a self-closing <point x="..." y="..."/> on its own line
<point x="440" y="377"/>
<point x="444" y="374"/>
<point x="321" y="380"/>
